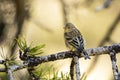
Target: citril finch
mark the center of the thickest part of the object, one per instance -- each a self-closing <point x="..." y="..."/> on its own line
<point x="74" y="40"/>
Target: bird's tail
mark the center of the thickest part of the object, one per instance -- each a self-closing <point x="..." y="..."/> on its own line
<point x="86" y="56"/>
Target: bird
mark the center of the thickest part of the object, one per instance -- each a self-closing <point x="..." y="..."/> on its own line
<point x="74" y="40"/>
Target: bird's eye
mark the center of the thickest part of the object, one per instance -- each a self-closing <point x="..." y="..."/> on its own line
<point x="68" y="27"/>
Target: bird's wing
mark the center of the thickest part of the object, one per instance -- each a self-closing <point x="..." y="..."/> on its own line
<point x="77" y="42"/>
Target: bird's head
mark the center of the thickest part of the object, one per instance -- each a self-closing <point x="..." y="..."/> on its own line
<point x="69" y="27"/>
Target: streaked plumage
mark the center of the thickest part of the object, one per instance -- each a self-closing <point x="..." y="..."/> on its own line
<point x="74" y="40"/>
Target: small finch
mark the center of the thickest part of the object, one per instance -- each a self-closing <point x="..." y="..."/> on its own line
<point x="74" y="40"/>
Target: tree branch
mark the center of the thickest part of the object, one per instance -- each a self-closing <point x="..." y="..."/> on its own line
<point x="76" y="63"/>
<point x="114" y="65"/>
<point x="72" y="70"/>
<point x="68" y="54"/>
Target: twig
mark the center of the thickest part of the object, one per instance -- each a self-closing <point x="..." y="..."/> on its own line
<point x="14" y="67"/>
<point x="110" y="31"/>
<point x="20" y="17"/>
<point x="2" y="70"/>
<point x="72" y="69"/>
<point x="77" y="69"/>
<point x="2" y="27"/>
<point x="114" y="65"/>
<point x="2" y="61"/>
<point x="32" y="75"/>
<point x="41" y="25"/>
<point x="106" y="4"/>
<point x="65" y="14"/>
<point x="10" y="74"/>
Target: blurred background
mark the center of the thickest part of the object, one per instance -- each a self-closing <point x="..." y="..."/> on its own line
<point x="42" y="21"/>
